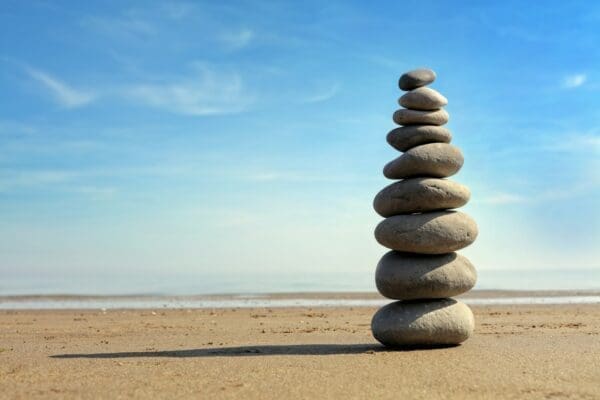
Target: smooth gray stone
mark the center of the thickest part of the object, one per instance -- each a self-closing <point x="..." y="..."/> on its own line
<point x="423" y="98"/>
<point x="438" y="160"/>
<point x="417" y="195"/>
<point x="416" y="78"/>
<point x="436" y="232"/>
<point x="409" y="276"/>
<point x="423" y="323"/>
<point x="405" y="116"/>
<point x="406" y="137"/>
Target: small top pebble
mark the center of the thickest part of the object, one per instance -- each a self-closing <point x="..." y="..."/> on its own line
<point x="416" y="78"/>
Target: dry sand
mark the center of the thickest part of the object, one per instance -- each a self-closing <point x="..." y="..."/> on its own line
<point x="516" y="352"/>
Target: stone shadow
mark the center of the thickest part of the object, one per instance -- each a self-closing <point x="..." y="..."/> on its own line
<point x="252" y="351"/>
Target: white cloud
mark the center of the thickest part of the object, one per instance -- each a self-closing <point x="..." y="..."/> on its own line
<point x="237" y="40"/>
<point x="210" y="93"/>
<point x="323" y="95"/>
<point x="64" y="94"/>
<point x="573" y="81"/>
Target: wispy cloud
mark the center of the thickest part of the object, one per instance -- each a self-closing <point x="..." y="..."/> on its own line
<point x="178" y="10"/>
<point x="237" y="40"/>
<point x="14" y="127"/>
<point x="265" y="176"/>
<point x="97" y="192"/>
<point x="574" y="190"/>
<point x="209" y="93"/>
<point x="287" y="175"/>
<point x="13" y="179"/>
<point x="574" y="81"/>
<point x="504" y="198"/>
<point x="383" y="61"/>
<point x="123" y="27"/>
<point x="323" y="94"/>
<point x="64" y="94"/>
<point x="63" y="180"/>
<point x="579" y="143"/>
<point x="518" y="33"/>
<point x="81" y="180"/>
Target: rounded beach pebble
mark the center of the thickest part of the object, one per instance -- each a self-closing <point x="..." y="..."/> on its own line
<point x="406" y="137"/>
<point x="423" y="98"/>
<point x="437" y="232"/>
<point x="409" y="276"/>
<point x="416" y="78"/>
<point x="419" y="195"/>
<point x="423" y="323"/>
<point x="438" y="160"/>
<point x="405" y="116"/>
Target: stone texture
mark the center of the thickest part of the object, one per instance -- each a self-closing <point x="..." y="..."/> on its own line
<point x="405" y="116"/>
<point x="416" y="78"/>
<point x="420" y="195"/>
<point x="423" y="98"/>
<point x="438" y="160"/>
<point x="409" y="276"/>
<point x="436" y="232"/>
<point x="422" y="270"/>
<point x="423" y="323"/>
<point x="406" y="137"/>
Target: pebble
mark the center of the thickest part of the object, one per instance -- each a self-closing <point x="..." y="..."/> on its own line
<point x="408" y="276"/>
<point x="405" y="116"/>
<point x="420" y="195"/>
<point x="423" y="98"/>
<point x="416" y="78"/>
<point x="438" y="160"/>
<point x="423" y="323"/>
<point x="436" y="232"/>
<point x="406" y="137"/>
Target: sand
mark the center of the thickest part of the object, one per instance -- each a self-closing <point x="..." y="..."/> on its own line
<point x="516" y="352"/>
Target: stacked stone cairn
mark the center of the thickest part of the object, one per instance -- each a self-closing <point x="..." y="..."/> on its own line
<point x="422" y="270"/>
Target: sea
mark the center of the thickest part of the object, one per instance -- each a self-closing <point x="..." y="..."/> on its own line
<point x="566" y="286"/>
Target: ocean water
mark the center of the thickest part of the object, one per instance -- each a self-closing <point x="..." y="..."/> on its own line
<point x="169" y="302"/>
<point x="363" y="281"/>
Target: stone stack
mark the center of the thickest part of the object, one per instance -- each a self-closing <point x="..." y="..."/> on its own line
<point x="422" y="270"/>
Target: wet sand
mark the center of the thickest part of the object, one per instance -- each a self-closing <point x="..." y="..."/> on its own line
<point x="516" y="352"/>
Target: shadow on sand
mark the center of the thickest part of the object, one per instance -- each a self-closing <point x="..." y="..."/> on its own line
<point x="245" y="351"/>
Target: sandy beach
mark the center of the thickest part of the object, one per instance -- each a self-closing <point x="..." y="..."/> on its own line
<point x="516" y="352"/>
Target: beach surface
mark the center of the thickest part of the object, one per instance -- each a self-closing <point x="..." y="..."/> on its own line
<point x="517" y="351"/>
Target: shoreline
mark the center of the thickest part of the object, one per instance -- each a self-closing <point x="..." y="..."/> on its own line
<point x="283" y="300"/>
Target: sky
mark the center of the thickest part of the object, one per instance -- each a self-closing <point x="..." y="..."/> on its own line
<point x="246" y="139"/>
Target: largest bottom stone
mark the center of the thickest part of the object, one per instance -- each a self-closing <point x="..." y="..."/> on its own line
<point x="423" y="323"/>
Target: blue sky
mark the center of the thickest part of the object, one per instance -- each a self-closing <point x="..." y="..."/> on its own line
<point x="247" y="138"/>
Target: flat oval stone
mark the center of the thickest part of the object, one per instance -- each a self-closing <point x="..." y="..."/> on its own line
<point x="423" y="98"/>
<point x="437" y="232"/>
<point x="409" y="276"/>
<point x="405" y="116"/>
<point x="416" y="78"/>
<point x="438" y="160"/>
<point x="406" y="137"/>
<point x="423" y="323"/>
<point x="417" y="195"/>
